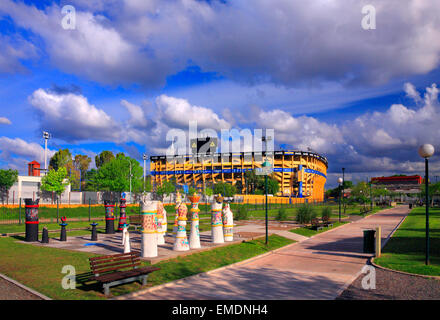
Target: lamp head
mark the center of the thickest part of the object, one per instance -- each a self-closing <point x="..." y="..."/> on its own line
<point x="340" y="180"/>
<point x="426" y="150"/>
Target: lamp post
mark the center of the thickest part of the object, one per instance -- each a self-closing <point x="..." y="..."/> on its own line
<point x="266" y="166"/>
<point x="426" y="151"/>
<point x="371" y="198"/>
<point x="340" y="182"/>
<point x="144" y="156"/>
<point x="46" y="136"/>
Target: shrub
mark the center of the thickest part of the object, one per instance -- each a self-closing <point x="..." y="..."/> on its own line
<point x="242" y="213"/>
<point x="326" y="213"/>
<point x="305" y="214"/>
<point x="282" y="215"/>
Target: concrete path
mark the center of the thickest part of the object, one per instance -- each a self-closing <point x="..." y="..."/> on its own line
<point x="320" y="267"/>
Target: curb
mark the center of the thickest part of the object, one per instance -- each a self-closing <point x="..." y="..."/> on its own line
<point x="202" y="274"/>
<point x="18" y="284"/>
<point x="403" y="272"/>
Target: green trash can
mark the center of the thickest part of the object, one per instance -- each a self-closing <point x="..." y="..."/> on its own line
<point x="369" y="241"/>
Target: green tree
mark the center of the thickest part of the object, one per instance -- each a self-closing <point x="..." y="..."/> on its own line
<point x="7" y="179"/>
<point x="115" y="175"/>
<point x="208" y="191"/>
<point x="166" y="189"/>
<point x="55" y="181"/>
<point x="62" y="158"/>
<point x="225" y="189"/>
<point x="89" y="181"/>
<point x="433" y="189"/>
<point x="272" y="185"/>
<point x="103" y="158"/>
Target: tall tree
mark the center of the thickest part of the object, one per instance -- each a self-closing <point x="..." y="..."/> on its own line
<point x="55" y="181"/>
<point x="115" y="175"/>
<point x="62" y="158"/>
<point x="7" y="179"/>
<point x="103" y="158"/>
<point x="81" y="164"/>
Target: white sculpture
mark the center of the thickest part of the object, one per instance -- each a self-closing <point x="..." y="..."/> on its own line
<point x="126" y="239"/>
<point x="178" y="202"/>
<point x="161" y="223"/>
<point x="216" y="220"/>
<point x="194" y="235"/>
<point x="149" y="229"/>
<point x="228" y="223"/>
<point x="181" y="242"/>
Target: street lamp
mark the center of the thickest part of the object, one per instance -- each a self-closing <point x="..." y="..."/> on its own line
<point x="340" y="182"/>
<point x="144" y="156"/>
<point x="266" y="164"/>
<point x="46" y="136"/>
<point x="426" y="151"/>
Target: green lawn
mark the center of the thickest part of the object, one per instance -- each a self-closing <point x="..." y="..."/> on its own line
<point x="40" y="267"/>
<point x="309" y="232"/>
<point x="405" y="251"/>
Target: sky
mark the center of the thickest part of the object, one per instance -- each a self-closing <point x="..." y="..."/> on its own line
<point x="125" y="75"/>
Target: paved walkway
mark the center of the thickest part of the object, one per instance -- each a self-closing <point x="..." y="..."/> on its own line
<point x="320" y="267"/>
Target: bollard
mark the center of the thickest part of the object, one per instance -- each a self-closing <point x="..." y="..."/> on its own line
<point x="94" y="232"/>
<point x="45" y="237"/>
<point x="378" y="242"/>
<point x="122" y="214"/>
<point x="31" y="211"/>
<point x="63" y="235"/>
<point x="109" y="216"/>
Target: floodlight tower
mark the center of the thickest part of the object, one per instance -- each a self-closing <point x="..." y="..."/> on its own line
<point x="46" y="136"/>
<point x="145" y="167"/>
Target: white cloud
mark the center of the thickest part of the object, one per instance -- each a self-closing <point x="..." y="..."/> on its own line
<point x="4" y="120"/>
<point x="72" y="118"/>
<point x="285" y="42"/>
<point x="12" y="51"/>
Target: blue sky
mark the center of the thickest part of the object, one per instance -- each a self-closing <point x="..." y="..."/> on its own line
<point x="131" y="71"/>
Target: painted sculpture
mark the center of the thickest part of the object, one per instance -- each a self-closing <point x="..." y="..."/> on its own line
<point x="126" y="238"/>
<point x="122" y="214"/>
<point x="194" y="236"/>
<point x="216" y="220"/>
<point x="181" y="241"/>
<point x="228" y="223"/>
<point x="178" y="202"/>
<point x="109" y="216"/>
<point x="149" y="229"/>
<point x="161" y="223"/>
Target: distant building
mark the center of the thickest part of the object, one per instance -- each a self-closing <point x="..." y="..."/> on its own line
<point x="408" y="186"/>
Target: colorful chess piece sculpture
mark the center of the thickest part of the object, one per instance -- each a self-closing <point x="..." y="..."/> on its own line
<point x="109" y="216"/>
<point x="194" y="236"/>
<point x="181" y="241"/>
<point x="161" y="223"/>
<point x="126" y="238"/>
<point x="216" y="220"/>
<point x="122" y="214"/>
<point x="31" y="211"/>
<point x="228" y="223"/>
<point x="149" y="228"/>
<point x="178" y="202"/>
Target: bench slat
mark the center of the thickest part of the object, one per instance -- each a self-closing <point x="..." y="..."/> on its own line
<point x="127" y="264"/>
<point x="115" y="261"/>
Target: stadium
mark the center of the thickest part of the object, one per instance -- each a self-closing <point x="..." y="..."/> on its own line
<point x="300" y="174"/>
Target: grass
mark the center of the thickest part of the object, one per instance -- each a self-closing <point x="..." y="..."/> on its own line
<point x="309" y="232"/>
<point x="40" y="267"/>
<point x="405" y="251"/>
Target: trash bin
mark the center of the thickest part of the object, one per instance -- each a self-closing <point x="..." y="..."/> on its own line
<point x="410" y="205"/>
<point x="369" y="241"/>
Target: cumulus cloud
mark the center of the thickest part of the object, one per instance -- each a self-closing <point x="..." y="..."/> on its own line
<point x="13" y="51"/>
<point x="72" y="118"/>
<point x="18" y="153"/>
<point x="4" y="120"/>
<point x="285" y="42"/>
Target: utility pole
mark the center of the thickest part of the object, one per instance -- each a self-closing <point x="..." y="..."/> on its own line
<point x="46" y="136"/>
<point x="145" y="168"/>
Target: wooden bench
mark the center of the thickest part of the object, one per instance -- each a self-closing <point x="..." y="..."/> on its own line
<point x="326" y="222"/>
<point x="316" y="225"/>
<point x="135" y="221"/>
<point x="117" y="269"/>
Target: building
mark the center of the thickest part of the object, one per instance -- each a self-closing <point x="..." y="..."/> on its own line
<point x="300" y="174"/>
<point x="398" y="183"/>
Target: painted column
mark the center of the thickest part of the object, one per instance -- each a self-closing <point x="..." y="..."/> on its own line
<point x="109" y="216"/>
<point x="122" y="214"/>
<point x="216" y="220"/>
<point x="31" y="211"/>
<point x="194" y="236"/>
<point x="178" y="202"/>
<point x="126" y="238"/>
<point x="181" y="242"/>
<point x="161" y="223"/>
<point x="228" y="223"/>
<point x="149" y="229"/>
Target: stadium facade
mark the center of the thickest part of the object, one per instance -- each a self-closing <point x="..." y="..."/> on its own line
<point x="300" y="174"/>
